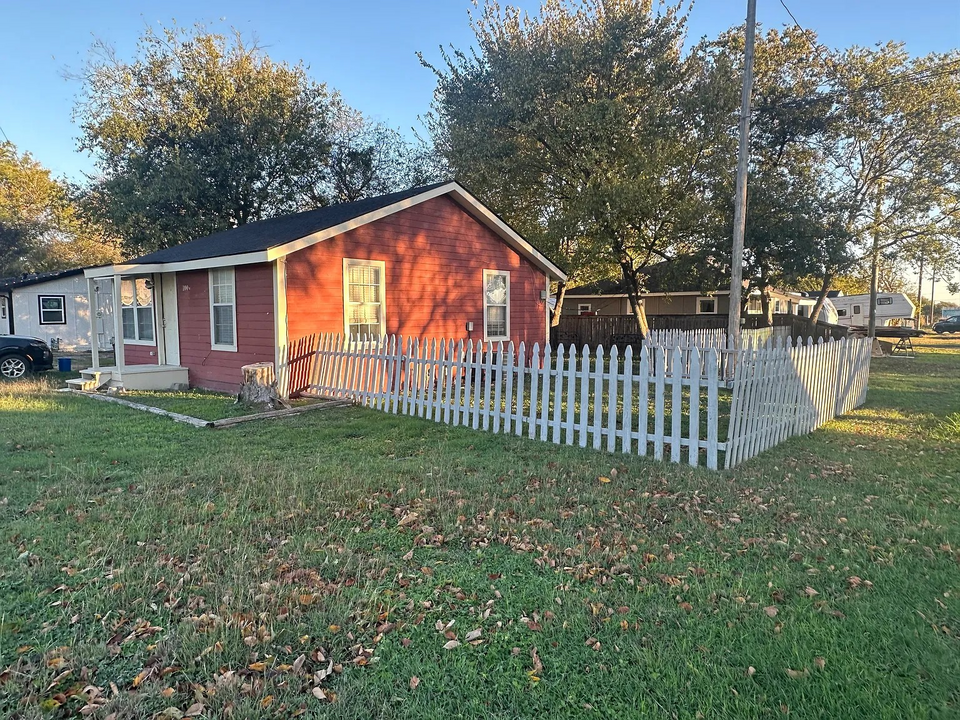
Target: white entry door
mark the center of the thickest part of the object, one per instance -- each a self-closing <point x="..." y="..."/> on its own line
<point x="167" y="316"/>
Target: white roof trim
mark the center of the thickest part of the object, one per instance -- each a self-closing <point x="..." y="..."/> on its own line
<point x="202" y="264"/>
<point x="464" y="199"/>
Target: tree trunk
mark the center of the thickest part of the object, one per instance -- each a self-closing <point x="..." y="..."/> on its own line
<point x="875" y="269"/>
<point x="920" y="295"/>
<point x="260" y="386"/>
<point x="821" y="298"/>
<point x="633" y="293"/>
<point x="558" y="308"/>
<point x="874" y="281"/>
<point x="766" y="307"/>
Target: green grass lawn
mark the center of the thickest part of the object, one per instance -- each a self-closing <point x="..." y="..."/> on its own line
<point x="154" y="569"/>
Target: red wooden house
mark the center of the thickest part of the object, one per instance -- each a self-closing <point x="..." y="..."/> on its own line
<point x="428" y="262"/>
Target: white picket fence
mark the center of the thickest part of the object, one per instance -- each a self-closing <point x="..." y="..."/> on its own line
<point x="616" y="402"/>
<point x="658" y="401"/>
<point x="782" y="390"/>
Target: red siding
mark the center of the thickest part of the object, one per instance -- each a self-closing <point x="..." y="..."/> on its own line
<point x="140" y="354"/>
<point x="434" y="254"/>
<point x="218" y="369"/>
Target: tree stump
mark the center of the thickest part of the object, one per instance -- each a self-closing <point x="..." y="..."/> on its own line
<point x="260" y="386"/>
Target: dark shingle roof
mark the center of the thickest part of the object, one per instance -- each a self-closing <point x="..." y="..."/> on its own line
<point x="265" y="234"/>
<point x="36" y="278"/>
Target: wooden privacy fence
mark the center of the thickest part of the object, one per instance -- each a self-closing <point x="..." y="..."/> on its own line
<point x="622" y="330"/>
<point x="669" y="403"/>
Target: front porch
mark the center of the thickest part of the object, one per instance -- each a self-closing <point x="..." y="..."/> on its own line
<point x="132" y="377"/>
<point x="135" y="316"/>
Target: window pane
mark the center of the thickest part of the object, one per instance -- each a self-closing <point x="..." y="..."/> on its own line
<point x="126" y="292"/>
<point x="144" y="294"/>
<point x="365" y="330"/>
<point x="145" y="323"/>
<point x="223" y="331"/>
<point x="223" y="287"/>
<point x="129" y="324"/>
<point x="496" y="321"/>
<point x="496" y="289"/>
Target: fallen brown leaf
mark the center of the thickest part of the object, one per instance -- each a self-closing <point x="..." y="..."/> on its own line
<point x="797" y="674"/>
<point x="414" y="682"/>
<point x="771" y="610"/>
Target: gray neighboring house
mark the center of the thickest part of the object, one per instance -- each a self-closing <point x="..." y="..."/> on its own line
<point x="52" y="306"/>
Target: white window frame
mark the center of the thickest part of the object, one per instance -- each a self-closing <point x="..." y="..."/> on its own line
<point x="382" y="315"/>
<point x="63" y="309"/>
<point x="136" y="324"/>
<point x="584" y="307"/>
<point x="495" y="338"/>
<point x="214" y="345"/>
<point x="712" y="298"/>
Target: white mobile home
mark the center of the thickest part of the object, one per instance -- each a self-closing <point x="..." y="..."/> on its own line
<point x="892" y="309"/>
<point x="52" y="306"/>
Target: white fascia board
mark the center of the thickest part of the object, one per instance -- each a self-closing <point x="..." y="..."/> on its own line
<point x="460" y="196"/>
<point x="509" y="235"/>
<point x="186" y="265"/>
<point x="321" y="235"/>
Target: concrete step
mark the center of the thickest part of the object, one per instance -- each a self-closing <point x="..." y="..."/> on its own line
<point x="82" y="384"/>
<point x="91" y="379"/>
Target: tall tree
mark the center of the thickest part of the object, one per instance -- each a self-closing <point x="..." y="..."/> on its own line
<point x="587" y="129"/>
<point x="796" y="223"/>
<point x="40" y="228"/>
<point x="369" y="158"/>
<point x="198" y="133"/>
<point x="895" y="154"/>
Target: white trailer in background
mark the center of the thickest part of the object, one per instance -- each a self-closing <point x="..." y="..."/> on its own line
<point x="892" y="309"/>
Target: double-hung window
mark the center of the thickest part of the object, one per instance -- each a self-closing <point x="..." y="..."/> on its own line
<point x="136" y="310"/>
<point x="52" y="310"/>
<point x="223" y="309"/>
<point x="496" y="305"/>
<point x="363" y="298"/>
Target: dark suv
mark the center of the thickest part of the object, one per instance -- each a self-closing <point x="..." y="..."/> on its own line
<point x="20" y="355"/>
<point x="947" y="326"/>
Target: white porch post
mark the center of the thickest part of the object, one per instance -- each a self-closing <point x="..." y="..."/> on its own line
<point x="117" y="325"/>
<point x="94" y="322"/>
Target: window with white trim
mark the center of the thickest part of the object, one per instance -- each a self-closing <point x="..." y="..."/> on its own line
<point x="706" y="306"/>
<point x="884" y="301"/>
<point x="584" y="308"/>
<point x="3" y="308"/>
<point x="136" y="310"/>
<point x="754" y="305"/>
<point x="52" y="310"/>
<point x="223" y="309"/>
<point x="856" y="309"/>
<point x="363" y="298"/>
<point x="496" y="305"/>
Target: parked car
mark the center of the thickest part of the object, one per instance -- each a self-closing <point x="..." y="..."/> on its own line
<point x="20" y="355"/>
<point x="947" y="326"/>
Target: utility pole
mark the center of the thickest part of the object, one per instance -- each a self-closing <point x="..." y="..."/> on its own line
<point x="740" y="199"/>
<point x="933" y="282"/>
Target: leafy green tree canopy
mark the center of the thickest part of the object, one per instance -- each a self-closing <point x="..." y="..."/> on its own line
<point x="199" y="133"/>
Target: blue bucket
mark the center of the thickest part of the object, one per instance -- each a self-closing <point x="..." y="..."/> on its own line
<point x="63" y="364"/>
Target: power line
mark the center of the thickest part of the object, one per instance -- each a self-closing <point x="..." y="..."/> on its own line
<point x="948" y="68"/>
<point x="4" y="134"/>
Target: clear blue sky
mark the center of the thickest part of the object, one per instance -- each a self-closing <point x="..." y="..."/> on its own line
<point x="365" y="48"/>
